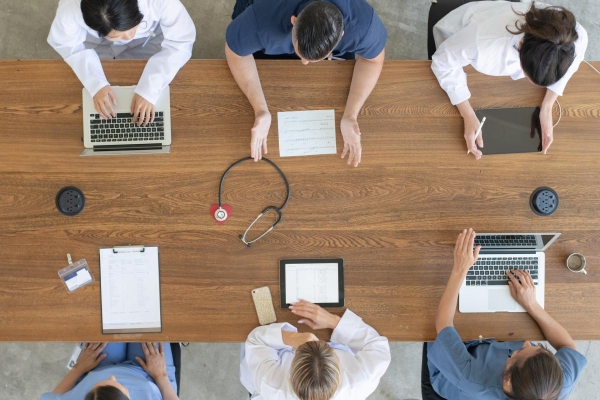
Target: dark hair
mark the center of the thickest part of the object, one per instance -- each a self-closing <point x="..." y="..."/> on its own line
<point x="104" y="16"/>
<point x="548" y="47"/>
<point x="319" y="28"/>
<point x="539" y="377"/>
<point x="106" y="393"/>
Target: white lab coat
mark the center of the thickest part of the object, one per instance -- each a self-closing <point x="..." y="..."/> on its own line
<point x="475" y="34"/>
<point x="168" y="50"/>
<point x="364" y="357"/>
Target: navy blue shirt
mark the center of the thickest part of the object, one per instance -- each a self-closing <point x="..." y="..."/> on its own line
<point x="266" y="26"/>
<point x="473" y="370"/>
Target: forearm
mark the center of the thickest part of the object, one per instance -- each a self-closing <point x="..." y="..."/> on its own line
<point x="556" y="335"/>
<point x="365" y="77"/>
<point x="166" y="389"/>
<point x="549" y="100"/>
<point x="447" y="308"/>
<point x="68" y="382"/>
<point x="246" y="76"/>
<point x="465" y="109"/>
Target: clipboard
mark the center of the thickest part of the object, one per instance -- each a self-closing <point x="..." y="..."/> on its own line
<point x="130" y="295"/>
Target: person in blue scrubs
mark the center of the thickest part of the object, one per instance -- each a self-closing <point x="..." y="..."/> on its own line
<point x="120" y="371"/>
<point x="311" y="31"/>
<point x="486" y="369"/>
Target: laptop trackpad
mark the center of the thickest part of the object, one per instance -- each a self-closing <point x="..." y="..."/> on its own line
<point x="501" y="300"/>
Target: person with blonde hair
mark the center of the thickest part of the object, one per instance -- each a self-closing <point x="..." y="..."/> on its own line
<point x="278" y="362"/>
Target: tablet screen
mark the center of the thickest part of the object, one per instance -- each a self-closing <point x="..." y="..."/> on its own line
<point x="317" y="283"/>
<point x="511" y="130"/>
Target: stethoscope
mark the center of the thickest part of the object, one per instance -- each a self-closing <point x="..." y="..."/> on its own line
<point x="221" y="212"/>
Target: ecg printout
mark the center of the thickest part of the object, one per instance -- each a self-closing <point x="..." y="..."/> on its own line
<point x="305" y="133"/>
<point x="130" y="290"/>
<point x="317" y="283"/>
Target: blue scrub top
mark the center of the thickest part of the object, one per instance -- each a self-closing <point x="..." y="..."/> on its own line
<point x="134" y="378"/>
<point x="473" y="370"/>
<point x="266" y="26"/>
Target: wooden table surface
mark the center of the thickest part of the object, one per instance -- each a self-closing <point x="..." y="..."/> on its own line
<point x="393" y="219"/>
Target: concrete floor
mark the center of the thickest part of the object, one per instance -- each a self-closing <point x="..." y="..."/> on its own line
<point x="210" y="371"/>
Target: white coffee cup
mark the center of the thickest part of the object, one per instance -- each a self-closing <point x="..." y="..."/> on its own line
<point x="576" y="263"/>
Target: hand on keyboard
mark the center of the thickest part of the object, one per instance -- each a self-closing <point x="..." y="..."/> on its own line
<point x="142" y="110"/>
<point x="464" y="254"/>
<point x="103" y="102"/>
<point x="522" y="288"/>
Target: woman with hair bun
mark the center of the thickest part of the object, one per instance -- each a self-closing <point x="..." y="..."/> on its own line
<point x="532" y="40"/>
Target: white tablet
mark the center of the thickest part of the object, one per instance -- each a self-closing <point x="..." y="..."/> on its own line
<point x="320" y="281"/>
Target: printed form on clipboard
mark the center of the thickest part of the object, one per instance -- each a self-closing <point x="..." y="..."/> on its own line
<point x="130" y="290"/>
<point x="306" y="133"/>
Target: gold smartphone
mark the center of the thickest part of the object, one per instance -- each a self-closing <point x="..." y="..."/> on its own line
<point x="264" y="305"/>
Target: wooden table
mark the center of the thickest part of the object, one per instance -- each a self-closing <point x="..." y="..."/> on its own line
<point x="393" y="219"/>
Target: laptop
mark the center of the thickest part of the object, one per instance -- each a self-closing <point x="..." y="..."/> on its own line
<point x="486" y="289"/>
<point x="120" y="135"/>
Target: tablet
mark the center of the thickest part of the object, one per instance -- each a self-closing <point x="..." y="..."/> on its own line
<point x="511" y="130"/>
<point x="320" y="281"/>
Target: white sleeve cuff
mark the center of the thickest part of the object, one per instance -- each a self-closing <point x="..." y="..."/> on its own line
<point x="459" y="95"/>
<point x="346" y="329"/>
<point x="273" y="337"/>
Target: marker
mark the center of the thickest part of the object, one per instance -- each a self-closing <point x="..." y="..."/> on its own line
<point x="478" y="131"/>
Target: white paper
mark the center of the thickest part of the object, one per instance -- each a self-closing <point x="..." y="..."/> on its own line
<point x="305" y="133"/>
<point x="317" y="283"/>
<point x="130" y="289"/>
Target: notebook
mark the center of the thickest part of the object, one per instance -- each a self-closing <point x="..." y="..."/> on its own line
<point x="130" y="290"/>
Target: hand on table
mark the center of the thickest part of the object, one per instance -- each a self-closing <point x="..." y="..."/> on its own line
<point x="90" y="357"/>
<point x="155" y="364"/>
<point x="259" y="132"/>
<point x="471" y="126"/>
<point x="351" y="135"/>
<point x="547" y="128"/>
<point x="104" y="101"/>
<point x="522" y="288"/>
<point x="464" y="254"/>
<point x="314" y="316"/>
<point x="142" y="110"/>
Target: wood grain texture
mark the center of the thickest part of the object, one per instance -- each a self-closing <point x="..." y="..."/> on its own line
<point x="393" y="219"/>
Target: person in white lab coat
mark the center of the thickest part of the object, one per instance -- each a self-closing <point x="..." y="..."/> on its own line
<point x="542" y="43"/>
<point x="280" y="363"/>
<point x="162" y="31"/>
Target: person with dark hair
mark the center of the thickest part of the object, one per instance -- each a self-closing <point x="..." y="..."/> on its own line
<point x="309" y="31"/>
<point x="532" y="40"/>
<point x="120" y="371"/>
<point x="486" y="369"/>
<point x="279" y="363"/>
<point x="162" y="31"/>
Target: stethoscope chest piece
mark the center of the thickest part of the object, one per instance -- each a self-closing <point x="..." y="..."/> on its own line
<point x="220" y="214"/>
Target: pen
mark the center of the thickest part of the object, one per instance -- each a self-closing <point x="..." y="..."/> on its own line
<point x="478" y="131"/>
<point x="152" y="35"/>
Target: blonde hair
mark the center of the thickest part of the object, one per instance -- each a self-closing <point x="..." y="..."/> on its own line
<point x="315" y="371"/>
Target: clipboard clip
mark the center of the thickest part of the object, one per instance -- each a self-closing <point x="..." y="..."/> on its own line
<point x="128" y="249"/>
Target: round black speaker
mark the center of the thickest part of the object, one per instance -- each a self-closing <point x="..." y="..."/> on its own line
<point x="70" y="201"/>
<point x="544" y="201"/>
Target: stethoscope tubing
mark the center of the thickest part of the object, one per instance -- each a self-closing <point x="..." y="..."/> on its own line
<point x="287" y="185"/>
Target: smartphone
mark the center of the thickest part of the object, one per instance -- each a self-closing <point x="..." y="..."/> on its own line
<point x="264" y="305"/>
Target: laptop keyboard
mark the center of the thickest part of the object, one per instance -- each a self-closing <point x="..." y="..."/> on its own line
<point x="505" y="240"/>
<point x="491" y="271"/>
<point x="122" y="129"/>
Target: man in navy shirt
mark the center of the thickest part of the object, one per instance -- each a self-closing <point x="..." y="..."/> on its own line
<point x="486" y="369"/>
<point x="313" y="30"/>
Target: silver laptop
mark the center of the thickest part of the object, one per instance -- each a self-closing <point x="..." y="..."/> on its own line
<point x="486" y="287"/>
<point x="120" y="135"/>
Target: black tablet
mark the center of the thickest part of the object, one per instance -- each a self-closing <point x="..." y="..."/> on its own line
<point x="511" y="130"/>
<point x="320" y="281"/>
